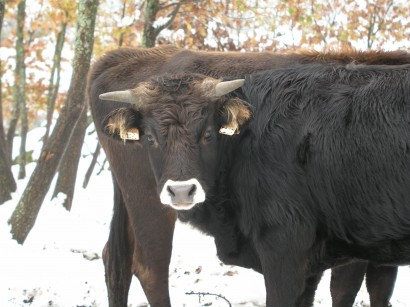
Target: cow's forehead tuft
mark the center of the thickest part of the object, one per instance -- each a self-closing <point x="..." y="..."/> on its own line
<point x="177" y="85"/>
<point x="179" y="110"/>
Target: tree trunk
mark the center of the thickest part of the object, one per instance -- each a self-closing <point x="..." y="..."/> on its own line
<point x="20" y="85"/>
<point x="23" y="140"/>
<point x="97" y="150"/>
<point x="121" y="40"/>
<point x="25" y="214"/>
<point x="19" y="81"/>
<point x="67" y="171"/>
<point x="7" y="182"/>
<point x="150" y="33"/>
<point x="92" y="165"/>
<point x="53" y="86"/>
<point x="15" y="115"/>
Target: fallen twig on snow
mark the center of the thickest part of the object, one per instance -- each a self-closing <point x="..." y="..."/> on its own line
<point x="200" y="294"/>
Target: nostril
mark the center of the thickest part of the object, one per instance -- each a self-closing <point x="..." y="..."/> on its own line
<point x="182" y="194"/>
<point x="192" y="190"/>
<point x="169" y="189"/>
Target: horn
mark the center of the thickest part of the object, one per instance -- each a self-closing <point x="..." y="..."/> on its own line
<point x="226" y="87"/>
<point x="122" y="96"/>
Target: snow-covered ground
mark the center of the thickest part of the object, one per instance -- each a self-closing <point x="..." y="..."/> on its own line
<point x="60" y="262"/>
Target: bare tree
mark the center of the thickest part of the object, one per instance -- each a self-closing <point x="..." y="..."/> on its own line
<point x="55" y="75"/>
<point x="16" y="106"/>
<point x="376" y="20"/>
<point x="151" y="32"/>
<point x="67" y="171"/>
<point x="7" y="182"/>
<point x="20" y="86"/>
<point x="25" y="214"/>
<point x="92" y="165"/>
<point x="97" y="150"/>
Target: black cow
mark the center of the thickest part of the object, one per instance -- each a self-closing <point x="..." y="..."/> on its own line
<point x="140" y="239"/>
<point x="315" y="170"/>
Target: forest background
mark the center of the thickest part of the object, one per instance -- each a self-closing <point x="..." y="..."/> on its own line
<point x="46" y="47"/>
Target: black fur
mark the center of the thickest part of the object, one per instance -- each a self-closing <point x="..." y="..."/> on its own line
<point x="147" y="235"/>
<point x="323" y="172"/>
<point x="317" y="178"/>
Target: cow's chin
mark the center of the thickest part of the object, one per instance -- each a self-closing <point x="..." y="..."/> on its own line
<point x="183" y="206"/>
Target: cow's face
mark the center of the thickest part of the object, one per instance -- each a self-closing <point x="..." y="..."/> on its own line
<point x="179" y="120"/>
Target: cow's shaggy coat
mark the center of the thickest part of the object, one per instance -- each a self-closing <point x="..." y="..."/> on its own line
<point x="317" y="177"/>
<point x="141" y="231"/>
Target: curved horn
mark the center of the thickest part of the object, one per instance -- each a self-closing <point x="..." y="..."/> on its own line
<point x="122" y="96"/>
<point x="226" y="87"/>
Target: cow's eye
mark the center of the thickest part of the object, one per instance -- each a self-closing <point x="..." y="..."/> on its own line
<point x="150" y="139"/>
<point x="208" y="135"/>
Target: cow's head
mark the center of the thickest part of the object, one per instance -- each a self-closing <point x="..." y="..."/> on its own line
<point x="179" y="120"/>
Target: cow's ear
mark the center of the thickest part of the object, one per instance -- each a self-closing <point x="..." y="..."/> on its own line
<point x="236" y="113"/>
<point x="123" y="124"/>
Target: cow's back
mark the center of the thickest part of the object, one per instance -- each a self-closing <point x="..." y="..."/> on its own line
<point x="124" y="68"/>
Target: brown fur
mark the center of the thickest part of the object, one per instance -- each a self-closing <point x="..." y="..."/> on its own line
<point x="350" y="55"/>
<point x="238" y="115"/>
<point x="116" y="123"/>
<point x="135" y="188"/>
<point x="153" y="95"/>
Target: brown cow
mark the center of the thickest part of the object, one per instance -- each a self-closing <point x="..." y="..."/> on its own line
<point x="140" y="240"/>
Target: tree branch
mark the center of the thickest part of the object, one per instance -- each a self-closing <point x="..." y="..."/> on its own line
<point x="163" y="7"/>
<point x="207" y="293"/>
<point x="173" y="14"/>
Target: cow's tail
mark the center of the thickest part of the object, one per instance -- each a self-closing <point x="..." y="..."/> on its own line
<point x="117" y="252"/>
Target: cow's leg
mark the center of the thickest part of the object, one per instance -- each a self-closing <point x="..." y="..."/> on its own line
<point x="150" y="225"/>
<point x="152" y="251"/>
<point x="380" y="282"/>
<point x="345" y="283"/>
<point x="308" y="296"/>
<point x="284" y="263"/>
<point x="117" y="255"/>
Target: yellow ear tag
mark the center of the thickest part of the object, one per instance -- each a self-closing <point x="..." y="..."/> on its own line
<point x="228" y="131"/>
<point x="132" y="134"/>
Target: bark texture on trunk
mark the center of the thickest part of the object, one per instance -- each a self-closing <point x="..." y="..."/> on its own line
<point x="7" y="182"/>
<point x="67" y="171"/>
<point x="25" y="214"/>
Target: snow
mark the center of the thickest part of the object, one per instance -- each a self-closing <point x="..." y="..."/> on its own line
<point x="60" y="262"/>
